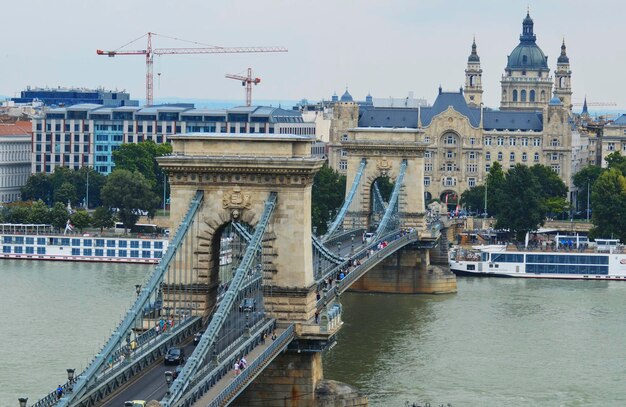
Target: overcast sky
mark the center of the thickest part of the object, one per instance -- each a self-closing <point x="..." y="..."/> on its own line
<point x="385" y="47"/>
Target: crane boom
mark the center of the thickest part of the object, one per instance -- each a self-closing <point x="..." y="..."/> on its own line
<point x="149" y="52"/>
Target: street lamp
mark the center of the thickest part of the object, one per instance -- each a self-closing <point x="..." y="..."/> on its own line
<point x="22" y="401"/>
<point x="352" y="245"/>
<point x="70" y="375"/>
<point x="339" y="248"/>
<point x="164" y="187"/>
<point x="169" y="376"/>
<point x="138" y="289"/>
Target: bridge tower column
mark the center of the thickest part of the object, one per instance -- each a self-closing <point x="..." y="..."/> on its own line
<point x="409" y="270"/>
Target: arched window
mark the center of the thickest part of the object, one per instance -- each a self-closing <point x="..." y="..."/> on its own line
<point x="472" y="81"/>
<point x="524" y="156"/>
<point x="514" y="95"/>
<point x="512" y="157"/>
<point x="532" y="96"/>
<point x="562" y="82"/>
<point x="536" y="157"/>
<point x="523" y="95"/>
<point x="504" y="95"/>
<point x="543" y="95"/>
<point x="500" y="156"/>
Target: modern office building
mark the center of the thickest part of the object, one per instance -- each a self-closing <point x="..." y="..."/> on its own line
<point x="74" y="96"/>
<point x="15" y="159"/>
<point x="87" y="134"/>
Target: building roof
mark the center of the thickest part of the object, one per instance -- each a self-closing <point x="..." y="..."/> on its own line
<point x="563" y="58"/>
<point x="346" y="97"/>
<point x="620" y="121"/>
<point x="456" y="100"/>
<point x="474" y="55"/>
<point x="389" y="117"/>
<point x="512" y="120"/>
<point x="19" y="128"/>
<point x="527" y="55"/>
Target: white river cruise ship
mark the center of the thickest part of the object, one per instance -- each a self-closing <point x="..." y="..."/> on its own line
<point x="39" y="242"/>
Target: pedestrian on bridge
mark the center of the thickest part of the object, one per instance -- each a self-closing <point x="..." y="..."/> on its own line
<point x="237" y="368"/>
<point x="59" y="392"/>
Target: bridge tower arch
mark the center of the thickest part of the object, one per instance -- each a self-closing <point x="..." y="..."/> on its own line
<point x="384" y="150"/>
<point x="237" y="174"/>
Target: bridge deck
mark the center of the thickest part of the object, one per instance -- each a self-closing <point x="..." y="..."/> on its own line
<point x="226" y="380"/>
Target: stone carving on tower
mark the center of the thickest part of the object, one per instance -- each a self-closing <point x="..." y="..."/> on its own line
<point x="563" y="79"/>
<point x="384" y="166"/>
<point x="526" y="83"/>
<point x="236" y="201"/>
<point x="473" y="79"/>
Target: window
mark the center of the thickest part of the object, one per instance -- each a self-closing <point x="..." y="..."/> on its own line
<point x="344" y="153"/>
<point x="343" y="165"/>
<point x="110" y="243"/>
<point x="145" y="244"/>
<point x="487" y="141"/>
<point x="472" y="155"/>
<point x="344" y="137"/>
<point x="30" y="250"/>
<point x="449" y="154"/>
<point x="500" y="156"/>
<point x="134" y="253"/>
<point x="488" y="156"/>
<point x="86" y="252"/>
<point x="523" y="93"/>
<point x="471" y="182"/>
<point x="122" y="243"/>
<point x="428" y="154"/>
<point x="450" y="139"/>
<point x="145" y="254"/>
<point x="122" y="253"/>
<point x="611" y="147"/>
<point x="536" y="157"/>
<point x="449" y="181"/>
<point x="487" y="167"/>
<point x="525" y="141"/>
<point x="555" y="142"/>
<point x="554" y="157"/>
<point x="428" y="167"/>
<point x="512" y="141"/>
<point x="512" y="157"/>
<point x="110" y="252"/>
<point x="500" y="141"/>
<point x="472" y="141"/>
<point x="514" y="95"/>
<point x="427" y="139"/>
<point x="524" y="156"/>
<point x="158" y="245"/>
<point x="87" y="242"/>
<point x="134" y="244"/>
<point x="158" y="254"/>
<point x="536" y="142"/>
<point x="99" y="252"/>
<point x="472" y="168"/>
<point x="556" y="168"/>
<point x="426" y="181"/>
<point x="531" y="96"/>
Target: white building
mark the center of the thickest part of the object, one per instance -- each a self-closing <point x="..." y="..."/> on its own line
<point x="15" y="159"/>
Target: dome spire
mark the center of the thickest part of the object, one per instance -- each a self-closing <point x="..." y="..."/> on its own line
<point x="474" y="55"/>
<point x="563" y="58"/>
<point x="527" y="29"/>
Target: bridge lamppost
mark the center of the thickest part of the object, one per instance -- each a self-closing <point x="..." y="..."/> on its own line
<point x="339" y="248"/>
<point x="138" y="289"/>
<point x="247" y="332"/>
<point x="23" y="401"/>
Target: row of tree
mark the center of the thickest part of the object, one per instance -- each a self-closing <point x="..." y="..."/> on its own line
<point x="137" y="185"/>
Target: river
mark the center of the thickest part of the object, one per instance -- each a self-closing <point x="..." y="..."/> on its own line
<point x="497" y="342"/>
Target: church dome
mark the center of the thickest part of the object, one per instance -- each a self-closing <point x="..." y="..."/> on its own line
<point x="346" y="97"/>
<point x="527" y="55"/>
<point x="555" y="101"/>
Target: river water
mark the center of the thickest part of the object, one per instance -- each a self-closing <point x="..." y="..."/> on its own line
<point x="497" y="342"/>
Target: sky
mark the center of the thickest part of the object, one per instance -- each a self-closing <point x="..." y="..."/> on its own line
<point x="384" y="47"/>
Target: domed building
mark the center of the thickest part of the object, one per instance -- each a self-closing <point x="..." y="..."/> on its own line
<point x="526" y="83"/>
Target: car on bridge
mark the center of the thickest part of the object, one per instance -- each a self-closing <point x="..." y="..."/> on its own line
<point x="174" y="356"/>
<point x="197" y="337"/>
<point x="135" y="403"/>
<point x="247" y="305"/>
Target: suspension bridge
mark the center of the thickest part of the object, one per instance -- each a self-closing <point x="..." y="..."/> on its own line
<point x="245" y="277"/>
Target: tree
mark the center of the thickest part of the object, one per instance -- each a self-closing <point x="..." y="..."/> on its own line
<point x="616" y="160"/>
<point x="521" y="208"/>
<point x="474" y="198"/>
<point x="495" y="181"/>
<point x="551" y="184"/>
<point x="59" y="216"/>
<point x="65" y="193"/>
<point x="329" y="188"/>
<point x="608" y="198"/>
<point x="130" y="193"/>
<point x="142" y="157"/>
<point x="18" y="214"/>
<point x="80" y="219"/>
<point x="39" y="213"/>
<point x="583" y="180"/>
<point x="102" y="218"/>
<point x="38" y="186"/>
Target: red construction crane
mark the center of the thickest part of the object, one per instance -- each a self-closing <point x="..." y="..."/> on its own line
<point x="246" y="81"/>
<point x="149" y="52"/>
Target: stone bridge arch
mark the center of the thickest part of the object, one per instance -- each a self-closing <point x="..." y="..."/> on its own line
<point x="384" y="150"/>
<point x="237" y="173"/>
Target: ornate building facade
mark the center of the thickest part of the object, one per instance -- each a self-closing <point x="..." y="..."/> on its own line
<point x="464" y="139"/>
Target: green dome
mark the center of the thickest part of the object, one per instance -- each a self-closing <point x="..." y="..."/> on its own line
<point x="527" y="55"/>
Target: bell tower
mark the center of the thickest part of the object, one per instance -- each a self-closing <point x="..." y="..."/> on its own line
<point x="473" y="79"/>
<point x="563" y="79"/>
